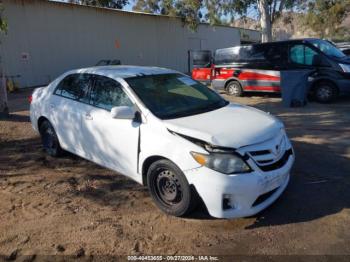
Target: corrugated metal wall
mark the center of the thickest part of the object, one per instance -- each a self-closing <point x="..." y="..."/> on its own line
<point x="46" y="39"/>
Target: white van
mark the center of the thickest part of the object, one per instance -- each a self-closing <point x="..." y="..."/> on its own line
<point x="168" y="132"/>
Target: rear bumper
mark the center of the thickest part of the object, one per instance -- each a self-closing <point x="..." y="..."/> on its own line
<point x="247" y="194"/>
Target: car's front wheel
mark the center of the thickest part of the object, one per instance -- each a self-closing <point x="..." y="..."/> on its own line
<point x="325" y="92"/>
<point x="169" y="188"/>
<point x="49" y="139"/>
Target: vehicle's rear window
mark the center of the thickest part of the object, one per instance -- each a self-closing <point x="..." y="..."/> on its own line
<point x="239" y="54"/>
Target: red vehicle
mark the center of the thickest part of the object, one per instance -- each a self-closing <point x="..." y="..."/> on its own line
<point x="201" y="64"/>
<point x="239" y="69"/>
<point x="250" y="68"/>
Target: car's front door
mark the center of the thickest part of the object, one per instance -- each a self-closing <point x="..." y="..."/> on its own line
<point x="110" y="142"/>
<point x="302" y="56"/>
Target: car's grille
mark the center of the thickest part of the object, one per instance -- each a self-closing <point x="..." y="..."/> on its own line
<point x="280" y="163"/>
<point x="272" y="154"/>
<point x="259" y="153"/>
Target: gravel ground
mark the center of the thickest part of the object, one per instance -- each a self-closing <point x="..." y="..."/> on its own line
<point x="70" y="206"/>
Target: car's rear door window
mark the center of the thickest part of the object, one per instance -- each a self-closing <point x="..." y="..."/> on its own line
<point x="75" y="86"/>
<point x="108" y="93"/>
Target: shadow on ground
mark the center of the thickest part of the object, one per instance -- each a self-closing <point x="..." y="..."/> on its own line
<point x="318" y="187"/>
<point x="15" y="118"/>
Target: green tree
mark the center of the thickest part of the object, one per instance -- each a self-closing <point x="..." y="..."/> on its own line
<point x="325" y="17"/>
<point x="117" y="4"/>
<point x="188" y="10"/>
<point x="217" y="11"/>
<point x="268" y="11"/>
<point x="148" y="6"/>
<point x="3" y="24"/>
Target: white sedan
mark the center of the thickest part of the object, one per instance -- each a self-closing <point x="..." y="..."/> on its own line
<point x="168" y="132"/>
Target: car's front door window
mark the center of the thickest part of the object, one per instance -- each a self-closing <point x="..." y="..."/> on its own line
<point x="107" y="93"/>
<point x="303" y="55"/>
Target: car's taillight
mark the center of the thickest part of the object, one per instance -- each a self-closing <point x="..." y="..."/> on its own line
<point x="30" y="99"/>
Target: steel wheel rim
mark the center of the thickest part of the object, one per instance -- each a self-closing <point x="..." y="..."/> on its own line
<point x="49" y="139"/>
<point x="233" y="89"/>
<point x="168" y="188"/>
<point x="324" y="92"/>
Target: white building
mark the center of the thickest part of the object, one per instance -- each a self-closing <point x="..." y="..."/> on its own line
<point x="46" y="38"/>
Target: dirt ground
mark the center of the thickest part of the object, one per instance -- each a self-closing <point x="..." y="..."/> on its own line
<point x="70" y="206"/>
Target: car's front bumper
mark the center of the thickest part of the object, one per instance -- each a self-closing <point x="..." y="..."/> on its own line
<point x="344" y="86"/>
<point x="248" y="193"/>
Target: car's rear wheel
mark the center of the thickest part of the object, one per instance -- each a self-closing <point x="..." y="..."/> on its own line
<point x="234" y="88"/>
<point x="169" y="188"/>
<point x="49" y="139"/>
<point x="325" y="92"/>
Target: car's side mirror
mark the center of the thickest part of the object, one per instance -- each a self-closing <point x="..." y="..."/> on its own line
<point x="123" y="112"/>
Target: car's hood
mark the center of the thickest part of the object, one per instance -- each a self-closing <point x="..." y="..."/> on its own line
<point x="344" y="59"/>
<point x="232" y="126"/>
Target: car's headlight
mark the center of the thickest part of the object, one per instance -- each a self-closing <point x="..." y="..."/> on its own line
<point x="222" y="162"/>
<point x="345" y="67"/>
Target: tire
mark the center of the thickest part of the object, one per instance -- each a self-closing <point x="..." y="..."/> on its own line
<point x="49" y="139"/>
<point x="169" y="188"/>
<point x="325" y="92"/>
<point x="234" y="88"/>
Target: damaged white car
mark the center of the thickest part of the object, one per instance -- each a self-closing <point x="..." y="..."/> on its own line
<point x="169" y="132"/>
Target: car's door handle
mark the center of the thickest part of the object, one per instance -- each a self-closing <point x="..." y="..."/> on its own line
<point x="88" y="116"/>
<point x="52" y="106"/>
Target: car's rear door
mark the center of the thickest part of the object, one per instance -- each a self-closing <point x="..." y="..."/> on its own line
<point x="110" y="142"/>
<point x="67" y="105"/>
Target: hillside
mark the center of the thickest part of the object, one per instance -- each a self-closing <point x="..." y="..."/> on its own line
<point x="288" y="26"/>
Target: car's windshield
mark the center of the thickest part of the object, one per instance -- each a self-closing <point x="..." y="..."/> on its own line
<point x="174" y="95"/>
<point x="327" y="48"/>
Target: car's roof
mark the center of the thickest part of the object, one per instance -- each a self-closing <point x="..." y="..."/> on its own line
<point x="123" y="71"/>
<point x="299" y="40"/>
